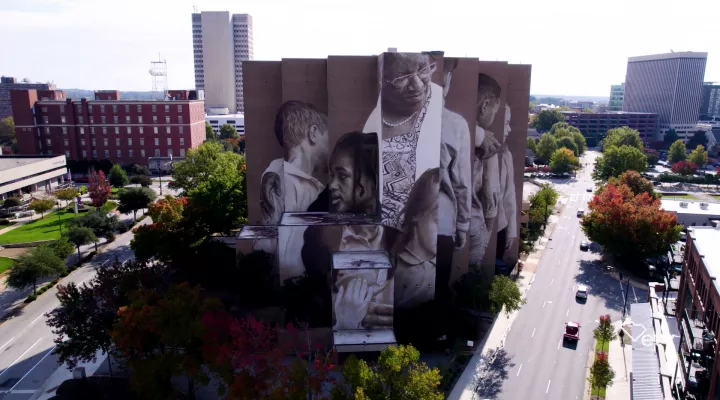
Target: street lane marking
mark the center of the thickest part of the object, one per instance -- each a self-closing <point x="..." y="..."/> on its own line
<point x="568" y="312"/>
<point x="622" y="292"/>
<point x="6" y="343"/>
<point x="31" y="369"/>
<point x="533" y="334"/>
<point x="553" y="280"/>
<point x="21" y="355"/>
<point x="634" y="295"/>
<point x="520" y="369"/>
<point x="548" y="387"/>
<point x="544" y="302"/>
<point x="559" y="343"/>
<point x="38" y="317"/>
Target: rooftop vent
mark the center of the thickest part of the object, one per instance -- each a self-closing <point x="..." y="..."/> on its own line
<point x="683" y="204"/>
<point x="704" y="206"/>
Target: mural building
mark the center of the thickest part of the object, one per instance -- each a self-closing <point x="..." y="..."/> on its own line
<point x="381" y="179"/>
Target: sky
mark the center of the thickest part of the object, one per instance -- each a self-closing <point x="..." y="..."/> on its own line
<point x="575" y="48"/>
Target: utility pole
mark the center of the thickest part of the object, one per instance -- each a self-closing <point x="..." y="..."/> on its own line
<point x="627" y="287"/>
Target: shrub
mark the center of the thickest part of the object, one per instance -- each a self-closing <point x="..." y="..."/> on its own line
<point x="122" y="228"/>
<point x="4" y="221"/>
<point x="12" y="202"/>
<point x="65" y="273"/>
<point x="30" y="299"/>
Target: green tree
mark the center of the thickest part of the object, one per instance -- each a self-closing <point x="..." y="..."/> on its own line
<point x="100" y="222"/>
<point x="62" y="248"/>
<point x="699" y="138"/>
<point x="601" y="374"/>
<point x="134" y="199"/>
<point x="545" y="148"/>
<point x="7" y="133"/>
<point x="623" y="136"/>
<point x="209" y="133"/>
<point x="67" y="194"/>
<point x="568" y="143"/>
<point x="652" y="157"/>
<point x="670" y="138"/>
<point x="398" y="374"/>
<point x="605" y="332"/>
<point x="505" y="292"/>
<point x="563" y="160"/>
<point x="12" y="202"/>
<point x="42" y="206"/>
<point x="617" y="160"/>
<point x="79" y="236"/>
<point x="228" y="131"/>
<point x="38" y="263"/>
<point x="117" y="177"/>
<point x="544" y="120"/>
<point x="587" y="110"/>
<point x="142" y="180"/>
<point x="699" y="156"/>
<point x="531" y="143"/>
<point x="636" y="183"/>
<point x="580" y="142"/>
<point x="677" y="152"/>
<point x="141" y="170"/>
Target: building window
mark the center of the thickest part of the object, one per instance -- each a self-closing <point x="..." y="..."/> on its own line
<point x="92" y="120"/>
<point x="154" y="108"/>
<point x="167" y="129"/>
<point x="82" y="130"/>
<point x="127" y="119"/>
<point x="94" y="153"/>
<point x="104" y="130"/>
<point x="107" y="153"/>
<point x="169" y="141"/>
<point x="92" y="130"/>
<point x="105" y="142"/>
<point x="130" y="153"/>
<point x="82" y="142"/>
<point x="62" y="108"/>
<point x="115" y="119"/>
<point x="182" y="141"/>
<point x="155" y="129"/>
<point x="93" y="142"/>
<point x="129" y="130"/>
<point x="64" y="128"/>
<point x="117" y="130"/>
<point x="45" y="119"/>
<point x="114" y="108"/>
<point x="167" y="108"/>
<point x="167" y="120"/>
<point x="180" y="129"/>
<point x="182" y="152"/>
<point x="141" y="129"/>
<point x="89" y="108"/>
<point x="39" y="143"/>
<point x="139" y="119"/>
<point x="139" y="107"/>
<point x="179" y="107"/>
<point x="117" y="141"/>
<point x="102" y="108"/>
<point x="179" y="119"/>
<point x="154" y="119"/>
<point x="157" y="141"/>
<point x="47" y="130"/>
<point x="49" y="143"/>
<point x="65" y="142"/>
<point x="62" y="119"/>
<point x="169" y="153"/>
<point x="84" y="154"/>
<point x="117" y="153"/>
<point x="129" y="141"/>
<point x="142" y="152"/>
<point x="127" y="108"/>
<point x="43" y="109"/>
<point x="102" y="119"/>
<point x="49" y="152"/>
<point x="80" y="119"/>
<point x="142" y="141"/>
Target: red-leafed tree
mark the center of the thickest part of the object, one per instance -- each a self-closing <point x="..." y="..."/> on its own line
<point x="98" y="188"/>
<point x="167" y="211"/>
<point x="684" y="167"/>
<point x="631" y="227"/>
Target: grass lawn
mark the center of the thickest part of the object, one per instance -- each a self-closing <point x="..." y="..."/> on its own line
<point x="682" y="196"/>
<point x="40" y="229"/>
<point x="5" y="264"/>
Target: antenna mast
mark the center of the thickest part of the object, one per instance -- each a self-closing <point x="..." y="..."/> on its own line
<point x="158" y="71"/>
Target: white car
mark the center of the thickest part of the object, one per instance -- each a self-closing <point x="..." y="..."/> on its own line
<point x="582" y="292"/>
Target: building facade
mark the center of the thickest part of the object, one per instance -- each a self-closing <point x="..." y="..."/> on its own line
<point x="236" y="120"/>
<point x="221" y="42"/>
<point x="692" y="213"/>
<point x="710" y="106"/>
<point x="698" y="313"/>
<point x="670" y="85"/>
<point x="594" y="126"/>
<point x="9" y="83"/>
<point x="617" y="97"/>
<point x="124" y="132"/>
<point x="27" y="174"/>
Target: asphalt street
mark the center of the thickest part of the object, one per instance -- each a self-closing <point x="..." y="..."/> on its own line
<point x="26" y="342"/>
<point x="535" y="363"/>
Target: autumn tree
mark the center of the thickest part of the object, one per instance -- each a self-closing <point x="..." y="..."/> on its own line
<point x="42" y="206"/>
<point x="605" y="332"/>
<point x="698" y="156"/>
<point x="118" y="178"/>
<point x="623" y="136"/>
<point x="545" y="147"/>
<point x="616" y="160"/>
<point x="165" y="237"/>
<point x="632" y="227"/>
<point x="563" y="160"/>
<point x="601" y="374"/>
<point x="504" y="292"/>
<point x="636" y="183"/>
<point x="38" y="263"/>
<point x="684" y="168"/>
<point x="67" y="194"/>
<point x="545" y="119"/>
<point x="677" y="152"/>
<point x="398" y="374"/>
<point x="12" y="202"/>
<point x="98" y="188"/>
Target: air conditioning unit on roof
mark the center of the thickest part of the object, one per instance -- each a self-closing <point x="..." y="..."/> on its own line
<point x="704" y="206"/>
<point x="683" y="204"/>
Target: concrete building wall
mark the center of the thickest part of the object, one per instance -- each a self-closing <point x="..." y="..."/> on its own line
<point x="41" y="174"/>
<point x="218" y="60"/>
<point x="7" y="84"/>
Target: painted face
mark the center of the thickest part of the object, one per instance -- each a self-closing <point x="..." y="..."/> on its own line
<point x="507" y="121"/>
<point x="487" y="109"/>
<point x="406" y="81"/>
<point x="341" y="182"/>
<point x="320" y="144"/>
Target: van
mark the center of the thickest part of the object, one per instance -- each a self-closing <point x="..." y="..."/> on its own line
<point x="580" y="213"/>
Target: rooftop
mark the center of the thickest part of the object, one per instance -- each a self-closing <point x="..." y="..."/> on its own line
<point x="706" y="239"/>
<point x="10" y="162"/>
<point x="610" y="113"/>
<point x="225" y="116"/>
<point x="669" y="56"/>
<point x="692" y="207"/>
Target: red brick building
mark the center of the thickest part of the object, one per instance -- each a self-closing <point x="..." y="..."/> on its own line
<point x="122" y="131"/>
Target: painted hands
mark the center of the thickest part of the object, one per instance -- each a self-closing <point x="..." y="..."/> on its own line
<point x="351" y="304"/>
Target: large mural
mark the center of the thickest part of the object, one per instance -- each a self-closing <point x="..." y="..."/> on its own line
<point x="383" y="178"/>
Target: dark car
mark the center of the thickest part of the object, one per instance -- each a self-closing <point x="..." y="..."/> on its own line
<point x="572" y="331"/>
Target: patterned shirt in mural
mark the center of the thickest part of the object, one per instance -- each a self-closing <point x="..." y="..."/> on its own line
<point x="399" y="161"/>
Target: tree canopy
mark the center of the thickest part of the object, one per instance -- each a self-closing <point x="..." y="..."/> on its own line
<point x="568" y="143"/>
<point x="677" y="152"/>
<point x="684" y="168"/>
<point x="670" y="137"/>
<point x="504" y="292"/>
<point x="42" y="206"/>
<point x="563" y="160"/>
<point x="38" y="263"/>
<point x="616" y="160"/>
<point x="134" y="199"/>
<point x="545" y="147"/>
<point x="228" y="131"/>
<point x="545" y="119"/>
<point x="623" y="136"/>
<point x="67" y="194"/>
<point x="209" y="133"/>
<point x="699" y="138"/>
<point x="99" y="222"/>
<point x="636" y="183"/>
<point x="118" y="178"/>
<point x="7" y="133"/>
<point x="98" y="188"/>
<point x="79" y="236"/>
<point x="531" y="143"/>
<point x="698" y="156"/>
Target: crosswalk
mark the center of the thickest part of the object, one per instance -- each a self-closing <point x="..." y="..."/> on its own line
<point x="580" y="197"/>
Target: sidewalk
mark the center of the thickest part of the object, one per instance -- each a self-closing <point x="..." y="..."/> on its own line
<point x="494" y="341"/>
<point x="47" y="390"/>
<point x="620" y="360"/>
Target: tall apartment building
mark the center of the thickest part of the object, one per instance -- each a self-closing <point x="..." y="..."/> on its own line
<point x="617" y="96"/>
<point x="9" y="83"/>
<point x="122" y="131"/>
<point x="710" y="106"/>
<point x="221" y="42"/>
<point x="669" y="85"/>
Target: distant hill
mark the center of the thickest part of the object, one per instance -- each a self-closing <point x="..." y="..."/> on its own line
<point x="78" y="94"/>
<point x="601" y="99"/>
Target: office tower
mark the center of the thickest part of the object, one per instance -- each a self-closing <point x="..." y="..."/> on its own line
<point x="9" y="83"/>
<point x="710" y="106"/>
<point x="221" y="42"/>
<point x="669" y="85"/>
<point x="617" y="95"/>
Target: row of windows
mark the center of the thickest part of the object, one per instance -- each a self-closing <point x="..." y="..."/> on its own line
<point x="130" y="153"/>
<point x="116" y="119"/>
<point x="106" y="142"/>
<point x="140" y="129"/>
<point x="78" y="107"/>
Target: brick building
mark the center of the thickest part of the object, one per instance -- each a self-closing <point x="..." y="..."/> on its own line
<point x="8" y="83"/>
<point x="124" y="132"/>
<point x="594" y="126"/>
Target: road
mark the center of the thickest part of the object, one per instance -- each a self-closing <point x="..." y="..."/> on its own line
<point x="535" y="363"/>
<point x="26" y="342"/>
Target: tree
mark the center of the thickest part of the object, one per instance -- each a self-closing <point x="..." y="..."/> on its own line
<point x="168" y="211"/>
<point x="98" y="188"/>
<point x="684" y="168"/>
<point x="398" y="374"/>
<point x="545" y="148"/>
<point x="118" y="178"/>
<point x="623" y="136"/>
<point x="67" y="194"/>
<point x="141" y="170"/>
<point x="79" y="236"/>
<point x="228" y="131"/>
<point x="677" y="152"/>
<point x="62" y="248"/>
<point x="636" y="183"/>
<point x="631" y="227"/>
<point x="545" y="119"/>
<point x="531" y="143"/>
<point x="699" y="156"/>
<point x="617" y="160"/>
<point x="505" y="292"/>
<point x="135" y="199"/>
<point x="670" y="137"/>
<point x="12" y="202"/>
<point x="7" y="133"/>
<point x="699" y="138"/>
<point x="38" y="263"/>
<point x="601" y="374"/>
<point x="568" y="143"/>
<point x="563" y="160"/>
<point x="580" y="142"/>
<point x="99" y="222"/>
<point x="605" y="332"/>
<point x="209" y="133"/>
<point x="652" y="156"/>
<point x="42" y="206"/>
<point x="142" y="180"/>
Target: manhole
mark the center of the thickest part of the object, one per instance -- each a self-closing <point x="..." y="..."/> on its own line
<point x="8" y="383"/>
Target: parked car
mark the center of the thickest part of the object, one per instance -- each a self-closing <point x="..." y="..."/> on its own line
<point x="572" y="331"/>
<point x="589" y="189"/>
<point x="580" y="213"/>
<point x="584" y="245"/>
<point x="581" y="292"/>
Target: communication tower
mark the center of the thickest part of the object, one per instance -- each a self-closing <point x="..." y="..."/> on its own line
<point x="158" y="71"/>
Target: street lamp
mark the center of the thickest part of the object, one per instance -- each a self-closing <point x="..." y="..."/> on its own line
<point x="58" y="214"/>
<point x="627" y="287"/>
